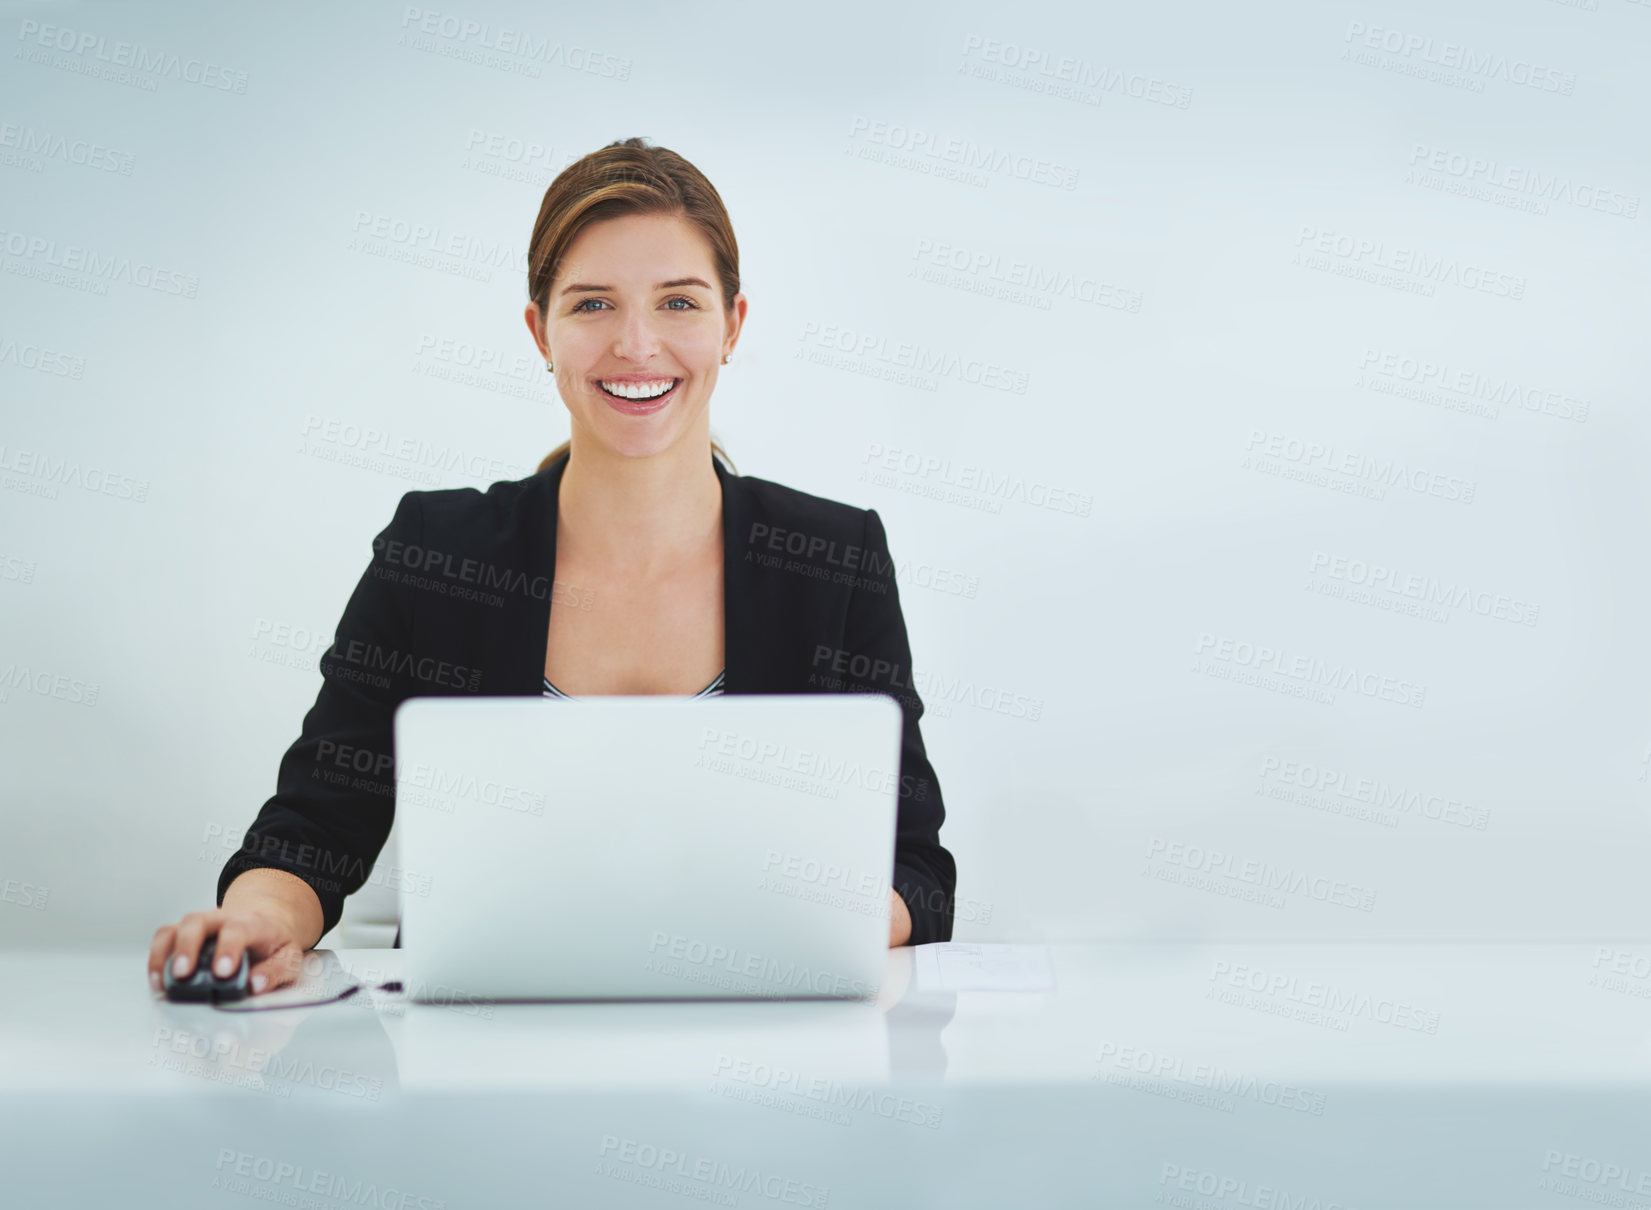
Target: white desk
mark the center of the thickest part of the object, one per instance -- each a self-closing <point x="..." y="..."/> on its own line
<point x="1111" y="1075"/>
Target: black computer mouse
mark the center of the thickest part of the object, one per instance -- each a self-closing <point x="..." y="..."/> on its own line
<point x="201" y="983"/>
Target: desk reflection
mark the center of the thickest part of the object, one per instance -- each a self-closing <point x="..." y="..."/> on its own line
<point x="699" y="1044"/>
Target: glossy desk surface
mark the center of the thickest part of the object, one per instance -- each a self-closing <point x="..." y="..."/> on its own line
<point x="1119" y="1074"/>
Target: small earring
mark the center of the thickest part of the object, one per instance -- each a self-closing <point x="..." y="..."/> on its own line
<point x="548" y="367"/>
<point x="725" y="357"/>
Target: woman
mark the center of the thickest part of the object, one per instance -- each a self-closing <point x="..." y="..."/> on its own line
<point x="670" y="575"/>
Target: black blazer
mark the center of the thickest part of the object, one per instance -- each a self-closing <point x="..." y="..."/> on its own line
<point x="457" y="600"/>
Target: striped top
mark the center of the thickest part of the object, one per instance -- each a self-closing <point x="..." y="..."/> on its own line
<point x="714" y="689"/>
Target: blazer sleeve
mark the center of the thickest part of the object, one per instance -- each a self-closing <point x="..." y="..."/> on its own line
<point x="925" y="876"/>
<point x="334" y="796"/>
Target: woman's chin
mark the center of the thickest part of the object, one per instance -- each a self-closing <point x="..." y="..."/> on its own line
<point x="636" y="437"/>
<point x="639" y="436"/>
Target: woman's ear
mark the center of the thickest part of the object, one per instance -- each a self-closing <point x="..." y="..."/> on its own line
<point x="534" y="326"/>
<point x="731" y="329"/>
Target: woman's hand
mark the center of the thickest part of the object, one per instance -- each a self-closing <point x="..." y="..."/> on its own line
<point x="271" y="914"/>
<point x="276" y="953"/>
<point x="899" y="920"/>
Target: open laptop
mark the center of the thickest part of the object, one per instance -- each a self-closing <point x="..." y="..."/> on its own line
<point x="649" y="847"/>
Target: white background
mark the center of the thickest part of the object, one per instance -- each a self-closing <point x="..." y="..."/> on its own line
<point x="1255" y="250"/>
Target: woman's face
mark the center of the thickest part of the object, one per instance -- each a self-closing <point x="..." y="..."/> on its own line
<point x="637" y="332"/>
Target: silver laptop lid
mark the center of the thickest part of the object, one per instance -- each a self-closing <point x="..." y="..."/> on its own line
<point x="647" y="847"/>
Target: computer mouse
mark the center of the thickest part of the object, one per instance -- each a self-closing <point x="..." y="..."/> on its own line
<point x="202" y="984"/>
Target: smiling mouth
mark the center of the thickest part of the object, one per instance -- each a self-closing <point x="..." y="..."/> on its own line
<point x="651" y="398"/>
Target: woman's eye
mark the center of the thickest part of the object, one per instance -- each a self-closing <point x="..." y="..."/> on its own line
<point x="692" y="305"/>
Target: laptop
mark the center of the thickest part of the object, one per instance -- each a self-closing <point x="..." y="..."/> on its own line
<point x="646" y="847"/>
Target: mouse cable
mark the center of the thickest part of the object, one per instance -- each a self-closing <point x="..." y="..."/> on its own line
<point x="393" y="986"/>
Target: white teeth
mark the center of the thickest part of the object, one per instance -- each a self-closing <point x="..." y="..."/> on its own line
<point x="639" y="390"/>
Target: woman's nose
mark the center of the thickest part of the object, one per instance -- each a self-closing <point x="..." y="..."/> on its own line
<point x="637" y="338"/>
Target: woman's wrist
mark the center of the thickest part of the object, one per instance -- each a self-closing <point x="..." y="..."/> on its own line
<point x="284" y="898"/>
<point x="899" y="920"/>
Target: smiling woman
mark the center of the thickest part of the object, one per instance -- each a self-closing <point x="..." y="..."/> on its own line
<point x="683" y="567"/>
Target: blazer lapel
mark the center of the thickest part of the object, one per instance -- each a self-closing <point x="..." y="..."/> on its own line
<point x="513" y="641"/>
<point x="741" y="610"/>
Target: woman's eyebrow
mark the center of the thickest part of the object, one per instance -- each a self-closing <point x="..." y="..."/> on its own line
<point x="586" y="288"/>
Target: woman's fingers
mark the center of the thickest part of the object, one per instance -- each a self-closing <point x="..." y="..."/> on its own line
<point x="274" y="956"/>
<point x="251" y="932"/>
<point x="160" y="949"/>
<point x="186" y="944"/>
<point x="277" y="970"/>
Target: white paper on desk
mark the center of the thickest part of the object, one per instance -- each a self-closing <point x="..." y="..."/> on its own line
<point x="951" y="966"/>
<point x="320" y="977"/>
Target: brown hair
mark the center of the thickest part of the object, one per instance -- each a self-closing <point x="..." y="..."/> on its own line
<point x="628" y="177"/>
